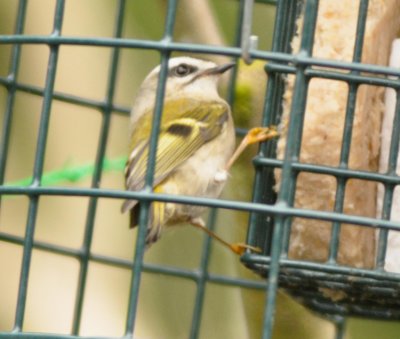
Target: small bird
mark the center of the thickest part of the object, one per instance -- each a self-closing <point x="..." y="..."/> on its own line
<point x="195" y="144"/>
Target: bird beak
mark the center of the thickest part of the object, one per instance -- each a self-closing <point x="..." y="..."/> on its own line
<point x="219" y="69"/>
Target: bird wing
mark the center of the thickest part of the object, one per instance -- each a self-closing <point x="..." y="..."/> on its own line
<point x="186" y="126"/>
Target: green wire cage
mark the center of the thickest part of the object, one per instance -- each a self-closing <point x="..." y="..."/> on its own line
<point x="370" y="293"/>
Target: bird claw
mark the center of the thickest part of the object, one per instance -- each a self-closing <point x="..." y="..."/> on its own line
<point x="240" y="248"/>
<point x="259" y="134"/>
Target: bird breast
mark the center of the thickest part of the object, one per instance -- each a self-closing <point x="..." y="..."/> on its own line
<point x="198" y="172"/>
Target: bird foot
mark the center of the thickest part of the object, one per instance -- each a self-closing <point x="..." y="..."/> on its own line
<point x="259" y="134"/>
<point x="240" y="248"/>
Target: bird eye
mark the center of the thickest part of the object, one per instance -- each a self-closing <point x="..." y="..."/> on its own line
<point x="183" y="70"/>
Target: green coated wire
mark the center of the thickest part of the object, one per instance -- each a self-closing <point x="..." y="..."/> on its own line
<point x="38" y="170"/>
<point x="73" y="173"/>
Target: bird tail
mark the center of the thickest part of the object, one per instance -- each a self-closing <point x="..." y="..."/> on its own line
<point x="156" y="223"/>
<point x="156" y="220"/>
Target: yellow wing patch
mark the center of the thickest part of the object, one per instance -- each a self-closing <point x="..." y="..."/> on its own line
<point x="186" y="125"/>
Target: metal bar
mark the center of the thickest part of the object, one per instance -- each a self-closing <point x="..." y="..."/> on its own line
<point x="15" y="239"/>
<point x="269" y="2"/>
<point x="297" y="115"/>
<point x="230" y="98"/>
<point x="255" y="259"/>
<point x="336" y="309"/>
<point x="203" y="275"/>
<point x="360" y="30"/>
<point x="11" y="87"/>
<point x="347" y="131"/>
<point x="260" y="226"/>
<point x="81" y="101"/>
<point x="282" y="68"/>
<point x="354" y="77"/>
<point x="248" y="258"/>
<point x="289" y="32"/>
<point x="202" y="279"/>
<point x="96" y="179"/>
<point x="286" y="193"/>
<point x="383" y="233"/>
<point x="162" y="46"/>
<point x="351" y="77"/>
<point x="277" y="209"/>
<point x="389" y="189"/>
<point x="334" y="171"/>
<point x="124" y="263"/>
<point x="145" y="205"/>
<point x="248" y="41"/>
<point x="28" y="335"/>
<point x="64" y="97"/>
<point x="340" y="327"/>
<point x="151" y="163"/>
<point x="37" y="171"/>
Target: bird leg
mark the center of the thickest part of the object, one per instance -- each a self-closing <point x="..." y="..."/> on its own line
<point x="255" y="135"/>
<point x="237" y="248"/>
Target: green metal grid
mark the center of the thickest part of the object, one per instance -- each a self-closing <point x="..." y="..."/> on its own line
<point x="371" y="293"/>
<point x="271" y="232"/>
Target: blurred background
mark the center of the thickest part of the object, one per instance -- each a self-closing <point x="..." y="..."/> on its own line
<point x="166" y="303"/>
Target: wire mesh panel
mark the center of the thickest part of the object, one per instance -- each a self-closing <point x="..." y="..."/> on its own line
<point x="85" y="260"/>
<point x="367" y="292"/>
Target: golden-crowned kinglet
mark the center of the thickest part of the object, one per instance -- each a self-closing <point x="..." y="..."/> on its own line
<point x="195" y="144"/>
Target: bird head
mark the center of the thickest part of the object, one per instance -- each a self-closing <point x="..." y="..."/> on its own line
<point x="186" y="77"/>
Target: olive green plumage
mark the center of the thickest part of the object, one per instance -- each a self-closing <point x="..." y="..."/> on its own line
<point x="196" y="139"/>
